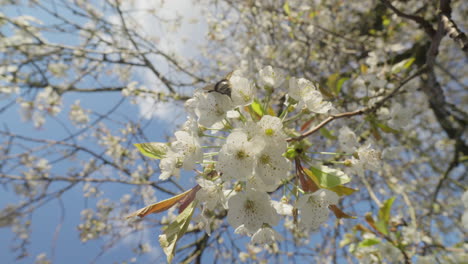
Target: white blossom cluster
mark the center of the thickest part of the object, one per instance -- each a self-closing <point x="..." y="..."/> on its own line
<point x="47" y="102"/>
<point x="249" y="158"/>
<point x="78" y="115"/>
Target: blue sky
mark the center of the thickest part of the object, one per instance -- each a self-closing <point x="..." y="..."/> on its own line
<point x="49" y="234"/>
<point x="46" y="220"/>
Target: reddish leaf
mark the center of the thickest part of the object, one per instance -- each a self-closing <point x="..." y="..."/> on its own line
<point x="306" y="125"/>
<point x="188" y="198"/>
<point x="338" y="213"/>
<point x="159" y="206"/>
<point x="371" y="222"/>
<point x="307" y="184"/>
<point x="310" y="181"/>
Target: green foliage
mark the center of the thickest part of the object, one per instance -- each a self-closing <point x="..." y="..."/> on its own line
<point x="403" y="65"/>
<point x="175" y="230"/>
<point x="328" y="178"/>
<point x="368" y="242"/>
<point x="383" y="217"/>
<point x="286" y="8"/>
<point x="258" y="108"/>
<point x="327" y="133"/>
<point x="335" y="83"/>
<point x="153" y="150"/>
<point x="342" y="190"/>
<point x="386" y="128"/>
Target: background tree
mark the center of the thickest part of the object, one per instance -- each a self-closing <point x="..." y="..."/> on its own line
<point x="394" y="72"/>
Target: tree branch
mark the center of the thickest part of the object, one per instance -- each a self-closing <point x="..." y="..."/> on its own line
<point x="361" y="111"/>
<point x="419" y="20"/>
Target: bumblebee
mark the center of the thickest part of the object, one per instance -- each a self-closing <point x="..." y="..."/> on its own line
<point x="222" y="87"/>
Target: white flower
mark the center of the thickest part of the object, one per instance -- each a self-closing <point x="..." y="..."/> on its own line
<point x="242" y="90"/>
<point x="411" y="235"/>
<point x="314" y="208"/>
<point x="233" y="114"/>
<point x="48" y="100"/>
<point x="428" y="259"/>
<point x="271" y="167"/>
<point x="256" y="183"/>
<point x="189" y="148"/>
<point x="236" y="158"/>
<point x="253" y="131"/>
<point x="251" y="254"/>
<point x="170" y="165"/>
<point x="269" y="78"/>
<point x="282" y="207"/>
<point x="298" y="88"/>
<point x="190" y="126"/>
<point x="369" y="159"/>
<point x="347" y="139"/>
<point x="130" y="89"/>
<point x="207" y="220"/>
<point x="271" y="126"/>
<point x="304" y="91"/>
<point x="383" y="113"/>
<point x="372" y="59"/>
<point x="210" y="108"/>
<point x="58" y="69"/>
<point x="400" y="117"/>
<point x="77" y="114"/>
<point x="42" y="259"/>
<point x="314" y="102"/>
<point x="251" y="209"/>
<point x="465" y="199"/>
<point x="465" y="213"/>
<point x="266" y="236"/>
<point x="373" y="85"/>
<point x="390" y="252"/>
<point x="211" y="193"/>
<point x="465" y="219"/>
<point x="241" y="230"/>
<point x="269" y="130"/>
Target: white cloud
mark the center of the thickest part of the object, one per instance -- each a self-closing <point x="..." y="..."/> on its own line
<point x="182" y="41"/>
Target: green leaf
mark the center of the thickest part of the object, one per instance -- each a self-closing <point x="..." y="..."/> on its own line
<point x="291" y="153"/>
<point x="346" y="240"/>
<point x="384" y="211"/>
<point x="257" y="107"/>
<point x="331" y="80"/>
<point x="339" y="84"/>
<point x="363" y="68"/>
<point x="328" y="177"/>
<point x="381" y="227"/>
<point x="286" y="8"/>
<point x="335" y="83"/>
<point x="409" y="62"/>
<point x="385" y="21"/>
<point x="311" y="176"/>
<point x="326" y="133"/>
<point x="368" y="242"/>
<point x="386" y="128"/>
<point x="343" y="190"/>
<point x="175" y="230"/>
<point x="153" y="150"/>
<point x="383" y="217"/>
<point x="402" y="65"/>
